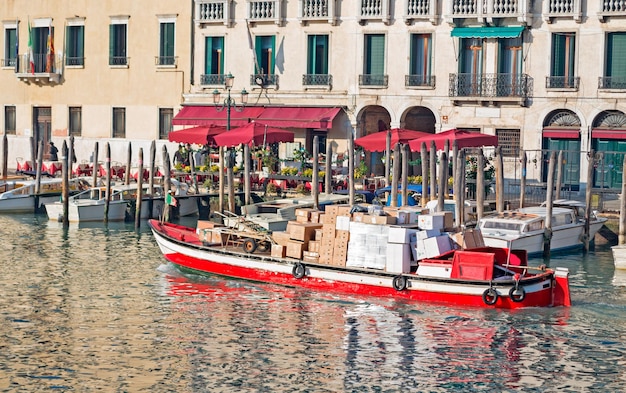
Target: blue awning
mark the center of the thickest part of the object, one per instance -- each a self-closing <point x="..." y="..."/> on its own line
<point x="488" y="32"/>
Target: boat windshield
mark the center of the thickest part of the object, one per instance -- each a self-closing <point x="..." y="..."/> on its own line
<point x="505" y="226"/>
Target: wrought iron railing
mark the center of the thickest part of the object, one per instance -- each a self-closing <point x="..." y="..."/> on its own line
<point x="212" y="79"/>
<point x="74" y="61"/>
<point x="166" y="60"/>
<point x="264" y="80"/>
<point x="373" y="80"/>
<point x="118" y="60"/>
<point x="419" y="80"/>
<point x="490" y="85"/>
<point x="612" y="82"/>
<point x="562" y="82"/>
<point x="7" y="63"/>
<point x="42" y="63"/>
<point x="317" y="80"/>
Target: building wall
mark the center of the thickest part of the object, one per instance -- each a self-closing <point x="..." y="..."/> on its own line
<point x="141" y="87"/>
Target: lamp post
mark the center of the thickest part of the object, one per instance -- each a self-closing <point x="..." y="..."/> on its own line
<point x="228" y="104"/>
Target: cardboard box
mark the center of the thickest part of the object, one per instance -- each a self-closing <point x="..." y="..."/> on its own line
<point x="318" y="234"/>
<point x="204" y="224"/>
<point x="448" y="219"/>
<point x="400" y="235"/>
<point x="315" y="245"/>
<point x="380" y="220"/>
<point x="398" y="258"/>
<point x="295" y="248"/>
<point x="431" y="221"/>
<point x="279" y="251"/>
<point x="342" y="223"/>
<point x="328" y="231"/>
<point x="328" y="218"/>
<point x="302" y="231"/>
<point x="303" y="213"/>
<point x="437" y="245"/>
<point x="434" y="269"/>
<point x="281" y="238"/>
<point x="315" y="216"/>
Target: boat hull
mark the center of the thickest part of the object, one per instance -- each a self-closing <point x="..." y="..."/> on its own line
<point x="619" y="256"/>
<point x="86" y="212"/>
<point x="181" y="247"/>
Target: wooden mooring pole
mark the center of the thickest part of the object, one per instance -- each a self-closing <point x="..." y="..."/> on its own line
<point x="423" y="156"/>
<point x="588" y="192"/>
<point x="622" y="207"/>
<point x="522" y="181"/>
<point x="547" y="236"/>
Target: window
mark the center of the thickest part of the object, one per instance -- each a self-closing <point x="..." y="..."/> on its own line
<point x="562" y="67"/>
<point x="165" y="122"/>
<point x="265" y="60"/>
<point x="10" y="47"/>
<point x="509" y="141"/>
<point x="119" y="122"/>
<point x="9" y="120"/>
<point x="43" y="48"/>
<point x="75" y="45"/>
<point x="421" y="52"/>
<point x="470" y="66"/>
<point x="118" y="43"/>
<point x="615" y="67"/>
<point x="510" y="78"/>
<point x="374" y="67"/>
<point x="213" y="61"/>
<point x="75" y="121"/>
<point x="166" y="44"/>
<point x="317" y="61"/>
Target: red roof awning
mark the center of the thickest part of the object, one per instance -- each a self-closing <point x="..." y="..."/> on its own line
<point x="598" y="133"/>
<point x="561" y="133"/>
<point x="299" y="117"/>
<point x="209" y="115"/>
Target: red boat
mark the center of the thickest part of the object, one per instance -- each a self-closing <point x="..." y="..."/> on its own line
<point x="480" y="277"/>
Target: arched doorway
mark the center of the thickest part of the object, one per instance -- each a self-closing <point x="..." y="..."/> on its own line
<point x="561" y="132"/>
<point x="418" y="118"/>
<point x="373" y="119"/>
<point x="608" y="138"/>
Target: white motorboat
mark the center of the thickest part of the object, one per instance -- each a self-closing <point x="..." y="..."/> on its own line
<point x="525" y="229"/>
<point x="89" y="205"/>
<point x="18" y="196"/>
<point x="619" y="256"/>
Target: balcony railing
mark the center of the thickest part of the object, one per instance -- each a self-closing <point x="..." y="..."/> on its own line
<point x="419" y="80"/>
<point x="373" y="10"/>
<point x="166" y="61"/>
<point x="74" y="61"/>
<point x="317" y="80"/>
<point x="373" y="80"/>
<point x="612" y="82"/>
<point x="43" y="66"/>
<point x="118" y="60"/>
<point x="487" y="10"/>
<point x="213" y="11"/>
<point x="265" y="11"/>
<point x="212" y="79"/>
<point x="421" y="10"/>
<point x="571" y="9"/>
<point x="562" y="82"/>
<point x="318" y="10"/>
<point x="490" y="85"/>
<point x="264" y="80"/>
<point x="7" y="63"/>
<point x="612" y="8"/>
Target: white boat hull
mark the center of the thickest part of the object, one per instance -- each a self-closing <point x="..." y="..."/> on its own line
<point x="85" y="211"/>
<point x="619" y="256"/>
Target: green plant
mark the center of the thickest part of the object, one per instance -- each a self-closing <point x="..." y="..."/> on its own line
<point x="471" y="169"/>
<point x="307" y="172"/>
<point x="301" y="189"/>
<point x="289" y="171"/>
<point x="415" y="179"/>
<point x="272" y="188"/>
<point x="215" y="168"/>
<point x="301" y="155"/>
<point x="361" y="170"/>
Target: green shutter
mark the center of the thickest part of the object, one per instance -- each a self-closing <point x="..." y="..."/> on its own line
<point x="563" y="52"/>
<point x="317" y="54"/>
<point x="375" y="54"/>
<point x="208" y="55"/>
<point x="616" y="55"/>
<point x="167" y="40"/>
<point x="80" y="41"/>
<point x="111" y="43"/>
<point x="262" y="48"/>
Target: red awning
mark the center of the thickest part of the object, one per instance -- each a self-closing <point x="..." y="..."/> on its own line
<point x="598" y="133"/>
<point x="209" y="115"/>
<point x="561" y="133"/>
<point x="299" y="117"/>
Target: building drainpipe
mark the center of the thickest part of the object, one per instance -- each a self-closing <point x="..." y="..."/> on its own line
<point x="192" y="49"/>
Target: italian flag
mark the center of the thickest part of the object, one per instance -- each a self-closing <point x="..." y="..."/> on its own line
<point x="170" y="200"/>
<point x="31" y="56"/>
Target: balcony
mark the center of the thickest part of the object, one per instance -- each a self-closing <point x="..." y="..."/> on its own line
<point x="562" y="82"/>
<point x="373" y="10"/>
<point x="371" y="80"/>
<point x="485" y="11"/>
<point x="265" y="11"/>
<point x="166" y="61"/>
<point x="6" y="63"/>
<point x="563" y="9"/>
<point x="44" y="68"/>
<point x="419" y="81"/>
<point x="213" y="12"/>
<point x="490" y="88"/>
<point x="264" y="80"/>
<point x="612" y="82"/>
<point x="318" y="10"/>
<point x="212" y="79"/>
<point x="421" y="10"/>
<point x="119" y="61"/>
<point x="612" y="8"/>
<point x="74" y="61"/>
<point x="317" y="80"/>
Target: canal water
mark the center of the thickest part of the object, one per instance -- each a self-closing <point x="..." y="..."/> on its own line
<point x="95" y="308"/>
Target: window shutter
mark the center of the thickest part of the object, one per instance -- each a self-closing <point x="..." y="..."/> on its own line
<point x="616" y="55"/>
<point x="375" y="54"/>
<point x="208" y="55"/>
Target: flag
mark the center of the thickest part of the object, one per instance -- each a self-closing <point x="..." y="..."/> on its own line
<point x="31" y="57"/>
<point x="170" y="200"/>
<point x="50" y="52"/>
<point x="17" y="45"/>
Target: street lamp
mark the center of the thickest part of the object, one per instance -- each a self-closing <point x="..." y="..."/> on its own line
<point x="228" y="104"/>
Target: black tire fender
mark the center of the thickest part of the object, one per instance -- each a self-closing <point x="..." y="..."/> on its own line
<point x="490" y="296"/>
<point x="299" y="270"/>
<point x="517" y="294"/>
<point x="399" y="283"/>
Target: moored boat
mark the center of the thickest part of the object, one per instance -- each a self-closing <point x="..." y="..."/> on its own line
<point x="18" y="196"/>
<point x="89" y="205"/>
<point x="525" y="229"/>
<point x="619" y="256"/>
<point x="481" y="277"/>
